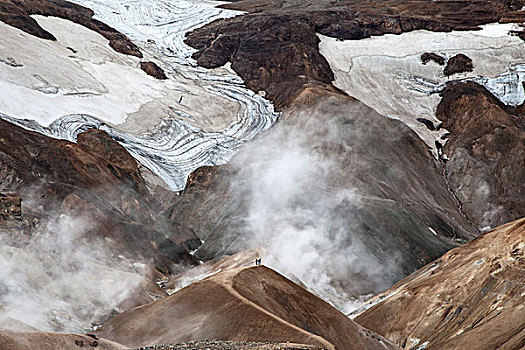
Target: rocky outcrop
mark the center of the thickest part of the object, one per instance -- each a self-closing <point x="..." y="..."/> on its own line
<point x="95" y="178"/>
<point x="18" y="14"/>
<point x="486" y="152"/>
<point x="152" y="69"/>
<point x="249" y="304"/>
<point x="459" y="63"/>
<point x="431" y="56"/>
<point x="276" y="54"/>
<point x="471" y="298"/>
<point x="274" y="47"/>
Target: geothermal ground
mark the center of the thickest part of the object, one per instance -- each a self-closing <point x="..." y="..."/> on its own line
<point x="281" y="174"/>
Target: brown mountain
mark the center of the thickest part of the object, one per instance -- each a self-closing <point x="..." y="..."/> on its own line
<point x="274" y="48"/>
<point x="486" y="151"/>
<point x="247" y="304"/>
<point x="390" y="187"/>
<point x="471" y="298"/>
<point x="95" y="178"/>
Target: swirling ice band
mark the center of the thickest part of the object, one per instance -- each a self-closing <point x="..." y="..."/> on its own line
<point x="174" y="148"/>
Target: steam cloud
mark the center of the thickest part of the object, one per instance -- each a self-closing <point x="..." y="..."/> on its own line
<point x="57" y="280"/>
<point x="298" y="180"/>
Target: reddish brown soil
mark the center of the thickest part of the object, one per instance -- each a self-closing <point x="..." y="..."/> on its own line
<point x="250" y="304"/>
<point x="471" y="298"/>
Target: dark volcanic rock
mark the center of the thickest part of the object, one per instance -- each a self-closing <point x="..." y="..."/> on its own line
<point x="152" y="69"/>
<point x="458" y="64"/>
<point x="95" y="178"/>
<point x="273" y="53"/>
<point x="486" y="148"/>
<point x="427" y="123"/>
<point x="279" y="52"/>
<point x="430" y="56"/>
<point x="17" y="14"/>
<point x="274" y="47"/>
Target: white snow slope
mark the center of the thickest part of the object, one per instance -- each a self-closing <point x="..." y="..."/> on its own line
<point x="62" y="88"/>
<point x="387" y="74"/>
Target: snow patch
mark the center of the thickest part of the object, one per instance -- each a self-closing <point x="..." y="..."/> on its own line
<point x="385" y="72"/>
<point x="433" y="231"/>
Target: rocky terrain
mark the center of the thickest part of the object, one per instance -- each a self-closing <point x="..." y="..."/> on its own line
<point x="94" y="177"/>
<point x="486" y="151"/>
<point x="253" y="303"/>
<point x="459" y="63"/>
<point x="145" y="175"/>
<point x="84" y="200"/>
<point x="472" y="297"/>
<point x="171" y="126"/>
<point x="275" y="48"/>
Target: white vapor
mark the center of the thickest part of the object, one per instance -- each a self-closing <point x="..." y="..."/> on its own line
<point x="57" y="280"/>
<point x="298" y="182"/>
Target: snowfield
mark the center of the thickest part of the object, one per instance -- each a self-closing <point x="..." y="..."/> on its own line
<point x="197" y="117"/>
<point x="387" y="74"/>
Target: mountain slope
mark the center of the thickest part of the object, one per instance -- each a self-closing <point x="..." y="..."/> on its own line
<point x="471" y="298"/>
<point x="486" y="151"/>
<point x="80" y="233"/>
<point x="250" y="304"/>
<point x="334" y="186"/>
<point x="96" y="178"/>
<point x="13" y="340"/>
